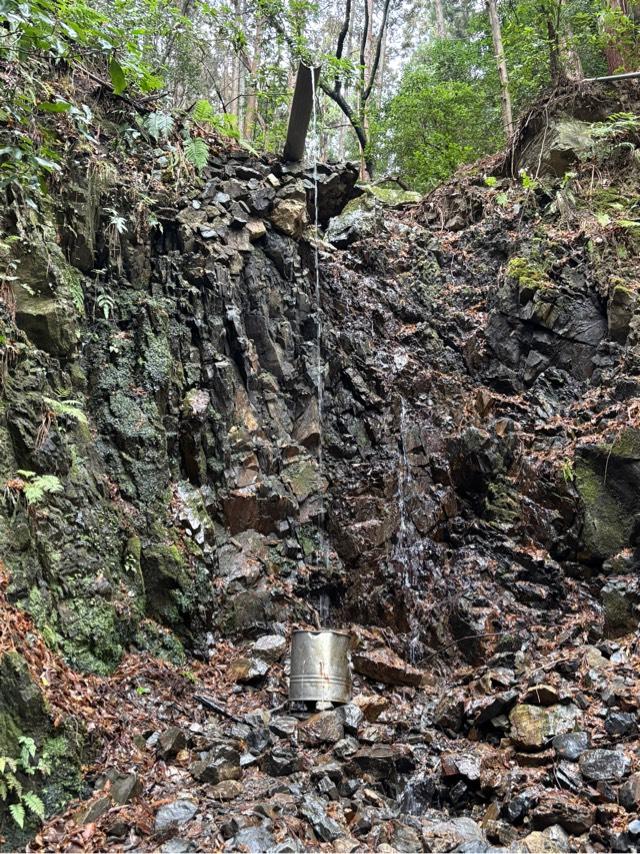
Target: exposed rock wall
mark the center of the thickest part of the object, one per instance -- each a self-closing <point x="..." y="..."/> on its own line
<point x="165" y="371"/>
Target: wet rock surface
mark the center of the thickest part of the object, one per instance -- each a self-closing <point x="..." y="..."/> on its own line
<point x="473" y="522"/>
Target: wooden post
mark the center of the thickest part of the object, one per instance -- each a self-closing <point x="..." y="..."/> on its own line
<point x="301" y="112"/>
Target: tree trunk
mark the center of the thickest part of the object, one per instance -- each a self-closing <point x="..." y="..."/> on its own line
<point x="505" y="97"/>
<point x="441" y="29"/>
<point x="572" y="61"/>
<point x="615" y="59"/>
<point x="252" y="98"/>
<point x="556" y="69"/>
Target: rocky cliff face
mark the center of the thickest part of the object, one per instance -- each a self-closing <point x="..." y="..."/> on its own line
<point x="466" y="494"/>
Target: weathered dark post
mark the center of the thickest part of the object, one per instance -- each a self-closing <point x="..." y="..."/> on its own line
<point x="301" y="111"/>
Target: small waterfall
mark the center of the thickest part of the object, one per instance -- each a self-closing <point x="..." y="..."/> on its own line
<point x="323" y="552"/>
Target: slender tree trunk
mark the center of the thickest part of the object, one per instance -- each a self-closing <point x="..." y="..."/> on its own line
<point x="572" y="62"/>
<point x="552" y="16"/>
<point x="252" y="99"/>
<point x="615" y="59"/>
<point x="441" y="29"/>
<point x="498" y="49"/>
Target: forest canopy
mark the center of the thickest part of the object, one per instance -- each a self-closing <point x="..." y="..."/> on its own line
<point x="412" y="89"/>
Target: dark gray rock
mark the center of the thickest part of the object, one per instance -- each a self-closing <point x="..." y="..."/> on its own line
<point x="603" y="765"/>
<point x="352" y="717"/>
<point x="314" y="810"/>
<point x="629" y="793"/>
<point x="571" y="745"/>
<point x="170" y="743"/>
<point x="281" y="761"/>
<point x="384" y="761"/>
<point x="222" y="762"/>
<point x="255" y="840"/>
<point x="174" y="814"/>
<point x="621" y="723"/>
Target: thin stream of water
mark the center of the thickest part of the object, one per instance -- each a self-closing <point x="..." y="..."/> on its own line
<point x="323" y="553"/>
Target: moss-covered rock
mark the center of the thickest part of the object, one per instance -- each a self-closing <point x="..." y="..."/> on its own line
<point x="607" y="478"/>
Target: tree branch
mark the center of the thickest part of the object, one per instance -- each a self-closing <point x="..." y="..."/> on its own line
<point x="376" y="58"/>
<point x="337" y="85"/>
<point x="363" y="45"/>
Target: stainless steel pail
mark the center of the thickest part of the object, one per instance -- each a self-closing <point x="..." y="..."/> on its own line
<point x="320" y="668"/>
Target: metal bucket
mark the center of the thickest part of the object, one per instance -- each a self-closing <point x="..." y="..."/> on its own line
<point x="320" y="668"/>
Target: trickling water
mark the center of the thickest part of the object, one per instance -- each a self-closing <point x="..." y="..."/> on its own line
<point x="404" y="551"/>
<point x="324" y="608"/>
<point x="323" y="553"/>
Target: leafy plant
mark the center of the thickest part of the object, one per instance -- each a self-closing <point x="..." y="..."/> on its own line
<point x="37" y="486"/>
<point x="197" y="152"/>
<point x="12" y="790"/>
<point x="68" y="408"/>
<point x="106" y="304"/>
<point x="158" y="125"/>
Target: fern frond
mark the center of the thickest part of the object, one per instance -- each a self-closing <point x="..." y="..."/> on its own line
<point x="17" y="814"/>
<point x="45" y="484"/>
<point x="70" y="408"/>
<point x="197" y="152"/>
<point x="13" y="784"/>
<point x="33" y="802"/>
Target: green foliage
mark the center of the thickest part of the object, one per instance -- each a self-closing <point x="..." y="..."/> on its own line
<point x="66" y="408"/>
<point x="158" y="125"/>
<point x="197" y="152"/>
<point x="12" y="787"/>
<point x="106" y="304"/>
<point x="440" y="117"/>
<point x="37" y="487"/>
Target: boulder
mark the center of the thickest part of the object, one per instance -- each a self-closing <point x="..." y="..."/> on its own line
<point x="384" y="761"/>
<point x="290" y="217"/>
<point x="607" y="477"/>
<point x="314" y="810"/>
<point x="174" y="814"/>
<point x="269" y="648"/>
<point x="170" y="743"/>
<point x="571" y="745"/>
<point x="629" y="793"/>
<point x="558" y="807"/>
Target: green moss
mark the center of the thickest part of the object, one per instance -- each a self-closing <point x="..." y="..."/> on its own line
<point x="527" y="273"/>
<point x="159" y="642"/>
<point x="625" y="445"/>
<point x="605" y="524"/>
<point x="158" y="360"/>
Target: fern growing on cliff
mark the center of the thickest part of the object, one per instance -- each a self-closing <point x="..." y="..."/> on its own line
<point x="12" y="791"/>
<point x="36" y="487"/>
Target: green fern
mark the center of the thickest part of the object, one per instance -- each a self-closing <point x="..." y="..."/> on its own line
<point x="17" y="813"/>
<point x="197" y="152"/>
<point x="203" y="112"/>
<point x="12" y="789"/>
<point x="68" y="408"/>
<point x="27" y="750"/>
<point x="158" y="125"/>
<point x="38" y="486"/>
<point x="34" y="803"/>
